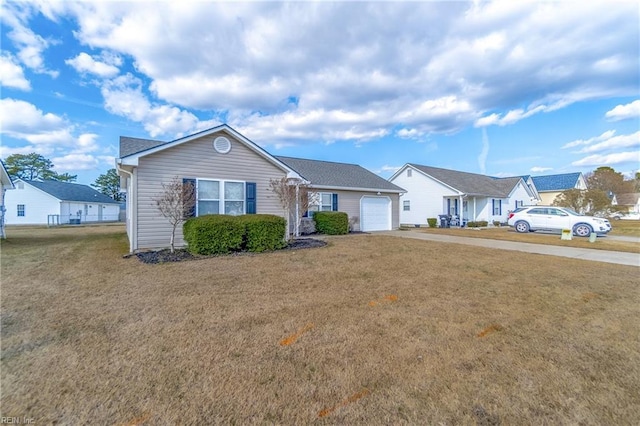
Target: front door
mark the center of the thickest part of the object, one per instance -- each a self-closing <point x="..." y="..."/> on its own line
<point x="100" y="207"/>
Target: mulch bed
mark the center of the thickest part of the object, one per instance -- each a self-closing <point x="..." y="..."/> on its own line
<point x="179" y="255"/>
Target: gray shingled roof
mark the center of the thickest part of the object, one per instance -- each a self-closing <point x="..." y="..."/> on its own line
<point x="129" y="146"/>
<point x="629" y="199"/>
<point x="66" y="191"/>
<point x="471" y="183"/>
<point x="338" y="175"/>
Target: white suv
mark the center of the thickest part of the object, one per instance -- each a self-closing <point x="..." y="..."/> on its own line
<point x="551" y="218"/>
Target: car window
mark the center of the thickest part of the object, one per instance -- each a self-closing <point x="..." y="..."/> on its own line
<point x="537" y="211"/>
<point x="557" y="212"/>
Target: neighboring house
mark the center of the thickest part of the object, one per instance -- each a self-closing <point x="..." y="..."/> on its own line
<point x="5" y="183"/>
<point x="231" y="175"/>
<point x="630" y="202"/>
<point x="433" y="191"/>
<point x="550" y="186"/>
<point x="53" y="202"/>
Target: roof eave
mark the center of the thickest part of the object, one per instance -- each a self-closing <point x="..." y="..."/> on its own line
<point x="352" y="188"/>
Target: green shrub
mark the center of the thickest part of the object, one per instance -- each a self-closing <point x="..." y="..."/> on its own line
<point x="331" y="223"/>
<point x="432" y="221"/>
<point x="214" y="234"/>
<point x="478" y="224"/>
<point x="496" y="223"/>
<point x="263" y="232"/>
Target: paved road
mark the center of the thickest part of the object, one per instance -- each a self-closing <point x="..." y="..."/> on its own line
<point x="618" y="257"/>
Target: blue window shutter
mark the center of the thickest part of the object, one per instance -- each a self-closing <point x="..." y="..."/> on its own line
<point x="190" y="211"/>
<point x="500" y="205"/>
<point x="456" y="205"/>
<point x="251" y="198"/>
<point x="448" y="205"/>
<point x="334" y="202"/>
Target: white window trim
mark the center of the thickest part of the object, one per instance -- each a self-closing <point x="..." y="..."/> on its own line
<point x="406" y="205"/>
<point x="318" y="204"/>
<point x="24" y="210"/>
<point x="221" y="200"/>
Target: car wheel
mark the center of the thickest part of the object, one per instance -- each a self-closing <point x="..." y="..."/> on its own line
<point x="582" y="230"/>
<point x="522" y="227"/>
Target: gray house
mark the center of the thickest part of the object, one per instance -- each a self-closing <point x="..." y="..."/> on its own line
<point x="231" y="175"/>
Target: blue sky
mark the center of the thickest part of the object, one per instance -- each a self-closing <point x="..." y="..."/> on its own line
<point x="503" y="88"/>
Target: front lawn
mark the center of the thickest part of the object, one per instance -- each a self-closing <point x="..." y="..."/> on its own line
<point x="370" y="329"/>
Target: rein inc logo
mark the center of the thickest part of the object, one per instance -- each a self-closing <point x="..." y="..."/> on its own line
<point x="24" y="420"/>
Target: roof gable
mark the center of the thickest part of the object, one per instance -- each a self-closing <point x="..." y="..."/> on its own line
<point x="66" y="191"/>
<point x="5" y="179"/>
<point x="131" y="149"/>
<point x="338" y="175"/>
<point x="560" y="182"/>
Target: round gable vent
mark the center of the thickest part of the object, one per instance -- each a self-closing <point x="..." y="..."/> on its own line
<point x="222" y="145"/>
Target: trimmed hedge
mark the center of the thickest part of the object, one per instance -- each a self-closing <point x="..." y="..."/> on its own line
<point x="478" y="224"/>
<point x="263" y="232"/>
<point x="432" y="221"/>
<point x="331" y="223"/>
<point x="221" y="234"/>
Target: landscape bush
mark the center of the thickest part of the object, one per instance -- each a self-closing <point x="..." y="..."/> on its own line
<point x="478" y="224"/>
<point x="222" y="234"/>
<point x="432" y="221"/>
<point x="263" y="232"/>
<point x="331" y="223"/>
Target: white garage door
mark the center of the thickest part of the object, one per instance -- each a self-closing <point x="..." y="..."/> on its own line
<point x="375" y="214"/>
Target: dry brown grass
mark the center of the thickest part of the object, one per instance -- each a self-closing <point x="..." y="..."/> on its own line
<point x="625" y="227"/>
<point x="509" y="234"/>
<point x="91" y="338"/>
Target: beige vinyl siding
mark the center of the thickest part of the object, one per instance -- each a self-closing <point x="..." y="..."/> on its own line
<point x="349" y="202"/>
<point x="197" y="159"/>
<point x="546" y="198"/>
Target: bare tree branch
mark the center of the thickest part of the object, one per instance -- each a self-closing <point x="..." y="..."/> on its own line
<point x="174" y="203"/>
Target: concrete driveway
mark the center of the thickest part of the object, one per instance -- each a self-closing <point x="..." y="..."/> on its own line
<point x="621" y="258"/>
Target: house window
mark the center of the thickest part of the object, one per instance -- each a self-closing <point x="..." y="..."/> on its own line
<point x="409" y="172"/>
<point x="20" y="210"/>
<point x="519" y="203"/>
<point x="322" y="201"/>
<point x="234" y="198"/>
<point x="326" y="202"/>
<point x="212" y="200"/>
<point x="406" y="205"/>
<point x="497" y="207"/>
<point x="208" y="197"/>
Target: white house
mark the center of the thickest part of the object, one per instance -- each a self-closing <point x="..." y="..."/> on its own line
<point x="467" y="197"/>
<point x="630" y="202"/>
<point x="5" y="183"/>
<point x="53" y="202"/>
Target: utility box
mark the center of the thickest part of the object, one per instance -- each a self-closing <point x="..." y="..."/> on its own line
<point x="566" y="234"/>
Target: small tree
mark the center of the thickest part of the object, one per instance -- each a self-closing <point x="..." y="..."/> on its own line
<point x="174" y="203"/>
<point x="109" y="184"/>
<point x="592" y="201"/>
<point x="295" y="198"/>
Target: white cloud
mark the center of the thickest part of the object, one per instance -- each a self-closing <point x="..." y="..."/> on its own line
<point x="603" y="137"/>
<point x="598" y="160"/>
<point x="22" y="120"/>
<point x="540" y="169"/>
<point x="446" y="66"/>
<point x="11" y="73"/>
<point x="624" y="112"/>
<point x="84" y="63"/>
<point x="30" y="45"/>
<point x="621" y="141"/>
